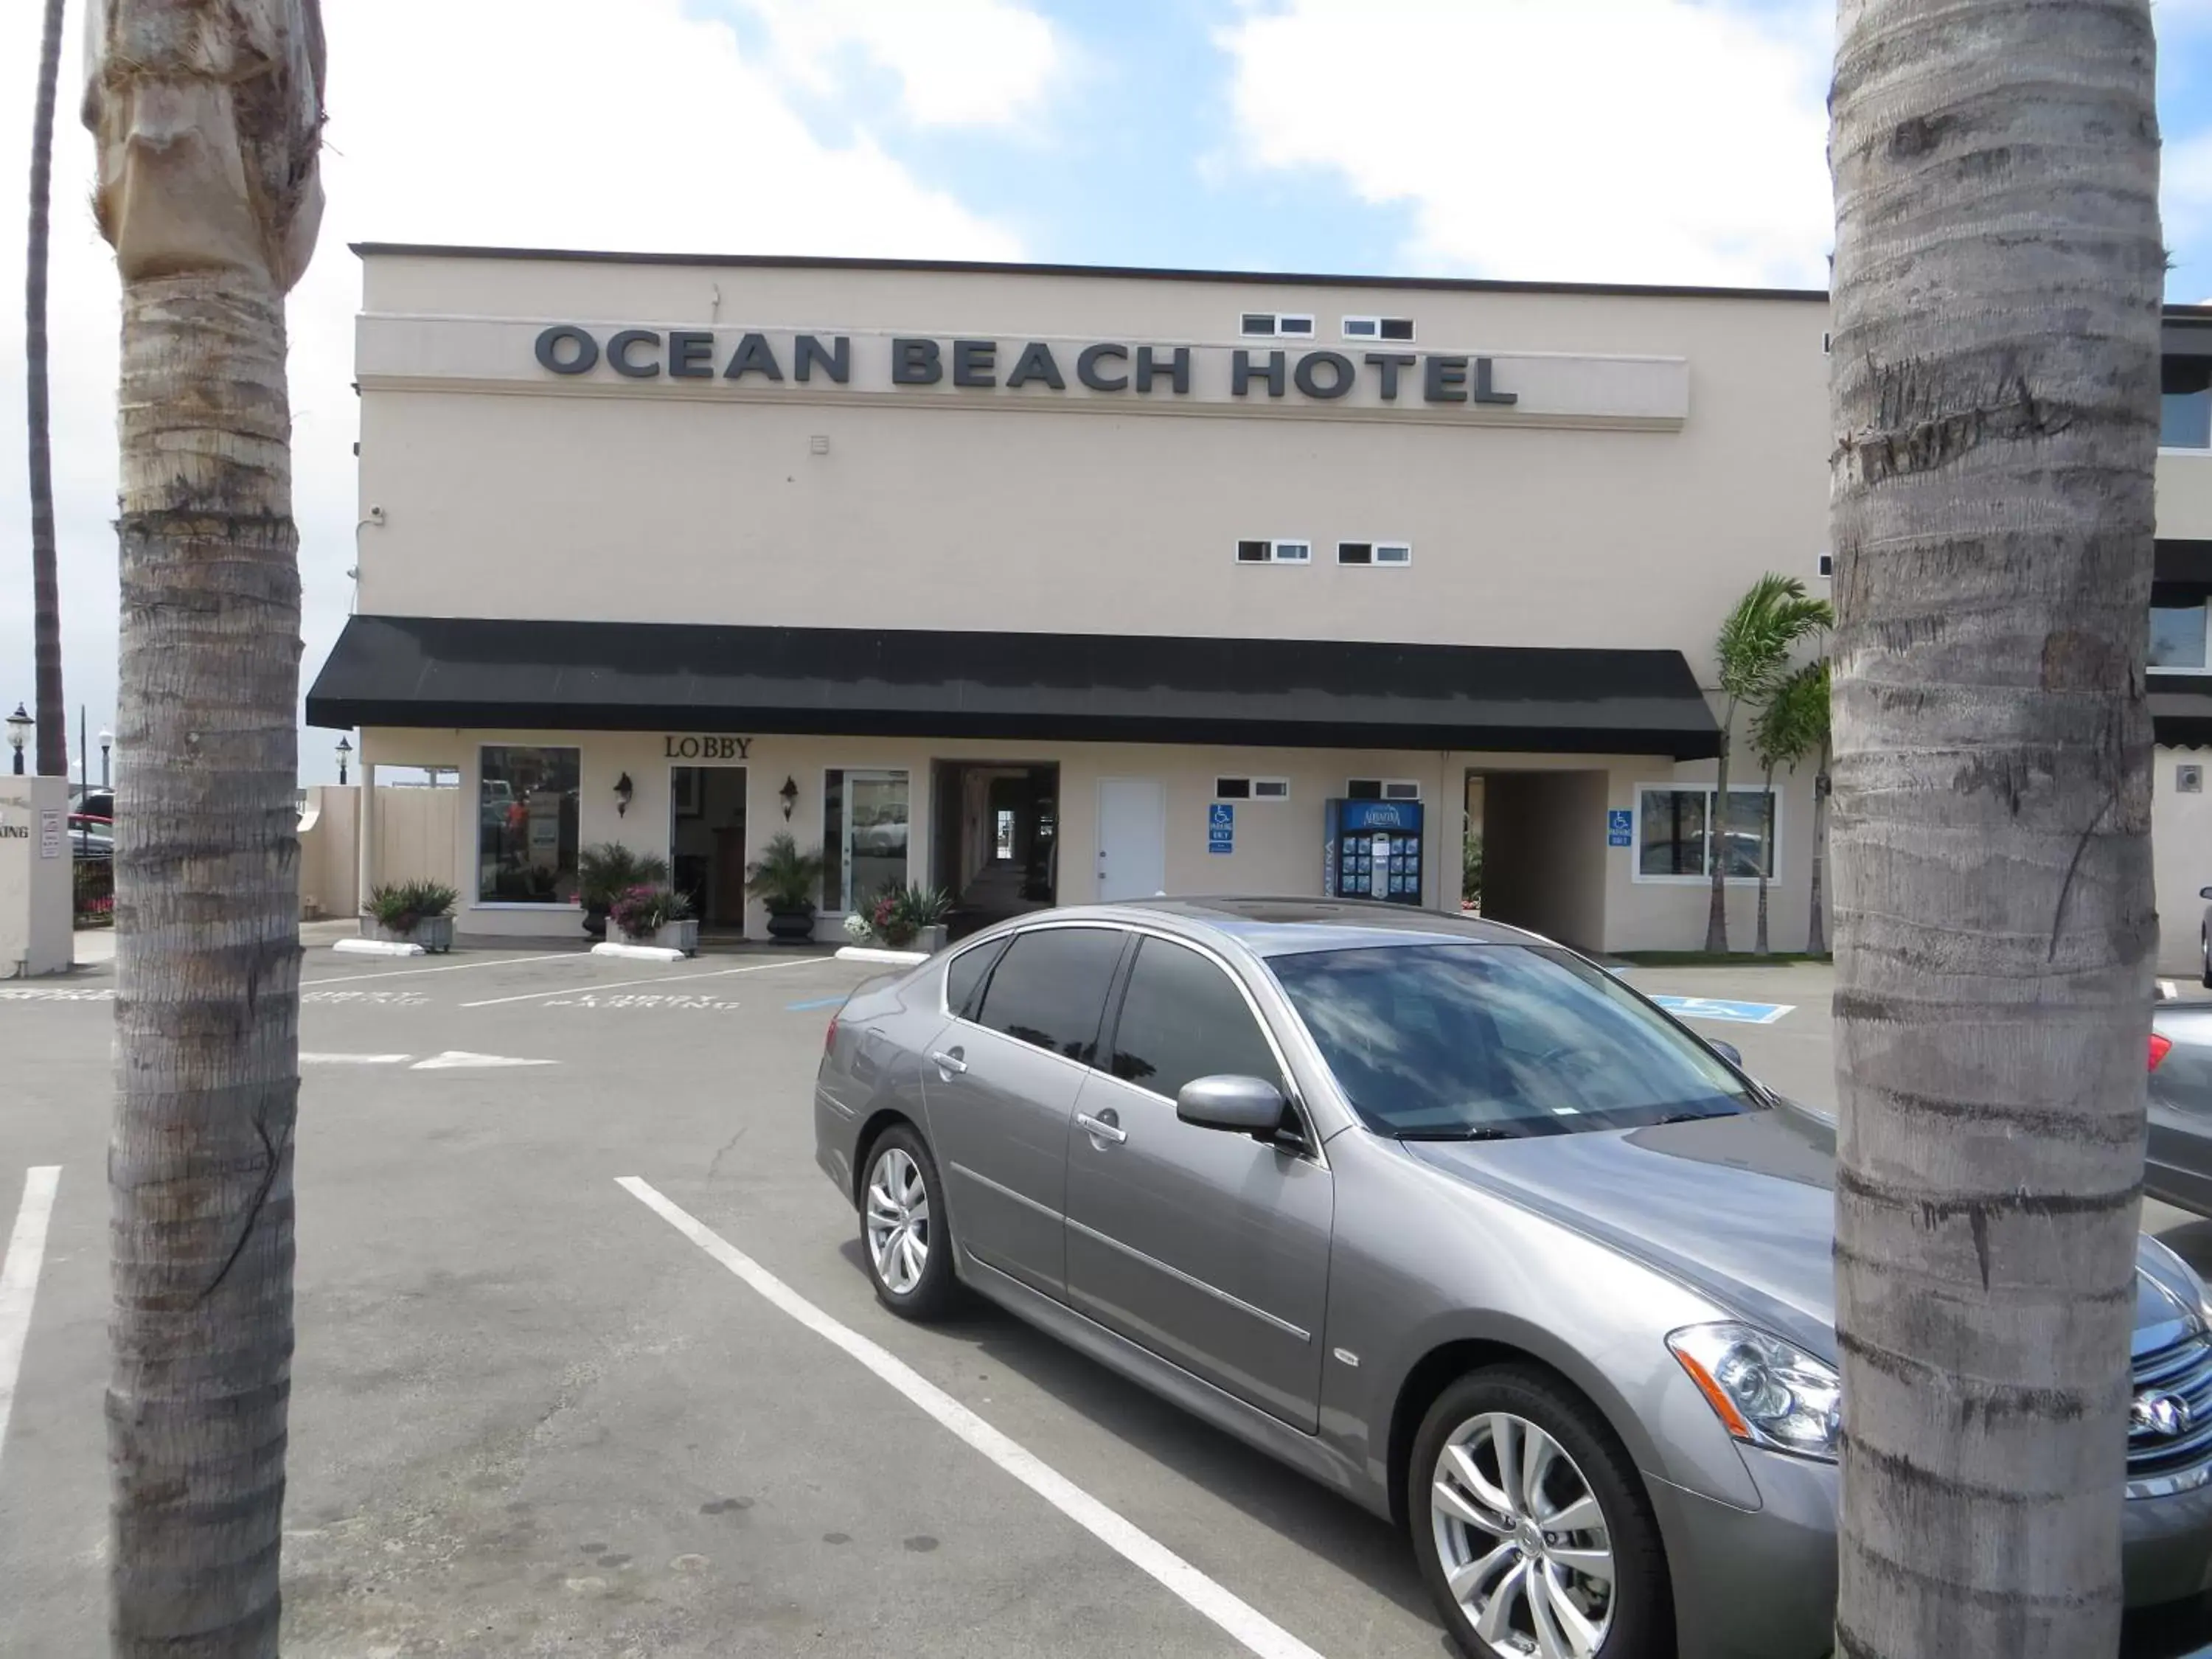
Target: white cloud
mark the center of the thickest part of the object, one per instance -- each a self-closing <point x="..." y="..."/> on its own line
<point x="534" y="122"/>
<point x="958" y="63"/>
<point x="1601" y="140"/>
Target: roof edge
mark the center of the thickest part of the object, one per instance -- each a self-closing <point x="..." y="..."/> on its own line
<point x="1136" y="273"/>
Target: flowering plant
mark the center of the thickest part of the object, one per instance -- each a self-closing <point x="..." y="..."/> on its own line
<point x="643" y="911"/>
<point x="859" y="928"/>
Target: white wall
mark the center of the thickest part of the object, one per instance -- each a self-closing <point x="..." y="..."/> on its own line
<point x="2181" y="855"/>
<point x="37" y="899"/>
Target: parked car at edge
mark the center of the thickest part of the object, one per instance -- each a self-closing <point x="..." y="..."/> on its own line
<point x="2177" y="1166"/>
<point x="1443" y="1215"/>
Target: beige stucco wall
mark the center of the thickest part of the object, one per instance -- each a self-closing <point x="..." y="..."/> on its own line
<point x="2181" y="852"/>
<point x="330" y="860"/>
<point x="1277" y="843"/>
<point x="509" y="491"/>
<point x="2184" y="495"/>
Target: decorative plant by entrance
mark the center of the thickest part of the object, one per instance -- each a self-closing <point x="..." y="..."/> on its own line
<point x="605" y="872"/>
<point x="785" y="880"/>
<point x="650" y="913"/>
<point x="899" y="916"/>
<point x="413" y="912"/>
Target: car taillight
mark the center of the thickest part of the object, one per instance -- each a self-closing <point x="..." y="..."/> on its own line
<point x="829" y="1039"/>
<point x="2159" y="1047"/>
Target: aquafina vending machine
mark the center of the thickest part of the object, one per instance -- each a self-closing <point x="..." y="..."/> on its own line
<point x="1374" y="850"/>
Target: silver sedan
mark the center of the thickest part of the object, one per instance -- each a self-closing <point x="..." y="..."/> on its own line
<point x="1443" y="1215"/>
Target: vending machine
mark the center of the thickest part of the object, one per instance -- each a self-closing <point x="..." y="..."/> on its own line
<point x="1373" y="850"/>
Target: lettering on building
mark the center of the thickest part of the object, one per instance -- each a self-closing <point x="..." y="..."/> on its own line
<point x="1109" y="367"/>
<point x="706" y="746"/>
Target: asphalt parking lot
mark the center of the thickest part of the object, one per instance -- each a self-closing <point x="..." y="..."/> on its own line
<point x="532" y="1415"/>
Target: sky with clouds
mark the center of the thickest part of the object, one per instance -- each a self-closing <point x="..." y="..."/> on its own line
<point x="1675" y="141"/>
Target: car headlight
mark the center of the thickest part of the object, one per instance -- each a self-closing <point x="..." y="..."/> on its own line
<point x="1763" y="1389"/>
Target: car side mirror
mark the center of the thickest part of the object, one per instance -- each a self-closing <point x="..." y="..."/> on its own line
<point x="1727" y="1051"/>
<point x="1242" y="1105"/>
<point x="2204" y="892"/>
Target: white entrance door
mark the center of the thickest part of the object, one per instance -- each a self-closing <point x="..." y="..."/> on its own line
<point x="1132" y="838"/>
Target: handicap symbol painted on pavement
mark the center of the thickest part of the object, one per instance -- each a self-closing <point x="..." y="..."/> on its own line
<point x="1721" y="1008"/>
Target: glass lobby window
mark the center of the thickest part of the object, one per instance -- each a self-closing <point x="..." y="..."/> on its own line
<point x="1049" y="989"/>
<point x="2185" y="404"/>
<point x="1182" y="1018"/>
<point x="2177" y="633"/>
<point x="1675" y="833"/>
<point x="864" y="830"/>
<point x="526" y="825"/>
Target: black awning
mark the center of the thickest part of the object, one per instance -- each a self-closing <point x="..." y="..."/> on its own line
<point x="2181" y="709"/>
<point x="596" y="676"/>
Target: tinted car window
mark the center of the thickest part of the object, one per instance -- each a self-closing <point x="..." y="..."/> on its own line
<point x="1182" y="1018"/>
<point x="1457" y="1041"/>
<point x="963" y="978"/>
<point x="1049" y="989"/>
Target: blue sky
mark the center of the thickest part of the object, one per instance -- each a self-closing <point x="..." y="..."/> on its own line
<point x="1662" y="141"/>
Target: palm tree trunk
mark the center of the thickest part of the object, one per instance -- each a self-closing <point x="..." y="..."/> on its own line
<point x="1998" y="269"/>
<point x="1716" y="850"/>
<point x="46" y="581"/>
<point x="1816" y="936"/>
<point x="211" y="199"/>
<point x="1759" y="946"/>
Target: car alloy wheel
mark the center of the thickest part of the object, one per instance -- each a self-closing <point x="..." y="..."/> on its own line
<point x="1522" y="1540"/>
<point x="898" y="1221"/>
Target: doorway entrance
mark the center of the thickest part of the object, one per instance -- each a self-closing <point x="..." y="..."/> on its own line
<point x="1133" y="831"/>
<point x="994" y="841"/>
<point x="707" y="843"/>
<point x="1543" y="851"/>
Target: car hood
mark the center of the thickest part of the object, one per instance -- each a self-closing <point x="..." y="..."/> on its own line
<point x="1740" y="1208"/>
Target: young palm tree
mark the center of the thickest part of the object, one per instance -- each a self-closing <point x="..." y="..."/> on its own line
<point x="209" y="114"/>
<point x="1806" y="694"/>
<point x="1792" y="723"/>
<point x="46" y="580"/>
<point x="1994" y="399"/>
<point x="1753" y="651"/>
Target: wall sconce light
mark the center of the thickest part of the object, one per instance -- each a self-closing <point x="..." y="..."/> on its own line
<point x="789" y="796"/>
<point x="623" y="790"/>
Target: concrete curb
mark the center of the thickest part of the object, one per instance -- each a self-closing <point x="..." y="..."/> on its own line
<point x="637" y="952"/>
<point x="376" y="947"/>
<point x="869" y="953"/>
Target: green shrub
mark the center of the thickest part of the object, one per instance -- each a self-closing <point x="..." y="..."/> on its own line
<point x="783" y="877"/>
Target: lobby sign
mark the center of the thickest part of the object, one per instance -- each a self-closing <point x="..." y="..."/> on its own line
<point x="705" y="746"/>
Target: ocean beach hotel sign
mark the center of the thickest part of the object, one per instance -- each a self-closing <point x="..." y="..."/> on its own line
<point x="747" y="364"/>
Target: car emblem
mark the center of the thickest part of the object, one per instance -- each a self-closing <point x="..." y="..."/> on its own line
<point x="2166" y="1415"/>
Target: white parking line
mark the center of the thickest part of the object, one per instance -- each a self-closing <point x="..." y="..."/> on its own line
<point x="450" y="968"/>
<point x="625" y="984"/>
<point x="1242" y="1621"/>
<point x="19" y="1278"/>
<point x="352" y="1059"/>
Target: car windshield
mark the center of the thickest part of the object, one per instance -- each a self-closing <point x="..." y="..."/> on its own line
<point x="1478" y="1042"/>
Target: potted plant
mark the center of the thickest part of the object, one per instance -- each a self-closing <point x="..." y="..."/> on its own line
<point x="908" y="918"/>
<point x="605" y="872"/>
<point x="413" y="911"/>
<point x="785" y="880"/>
<point x="651" y="913"/>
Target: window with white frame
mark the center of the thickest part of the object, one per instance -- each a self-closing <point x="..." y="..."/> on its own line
<point x="2185" y="404"/>
<point x="526" y="819"/>
<point x="2179" y="620"/>
<point x="1273" y="325"/>
<point x="1373" y="553"/>
<point x="1381" y="789"/>
<point x="1239" y="788"/>
<point x="1676" y="833"/>
<point x="1264" y="551"/>
<point x="1378" y="328"/>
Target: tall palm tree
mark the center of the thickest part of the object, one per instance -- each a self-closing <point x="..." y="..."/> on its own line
<point x="1790" y="725"/>
<point x="1994" y="399"/>
<point x="209" y="115"/>
<point x="1753" y="651"/>
<point x="1804" y="697"/>
<point x="45" y="581"/>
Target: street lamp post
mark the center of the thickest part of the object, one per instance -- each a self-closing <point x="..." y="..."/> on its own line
<point x="18" y="734"/>
<point x="106" y="743"/>
<point x="345" y="754"/>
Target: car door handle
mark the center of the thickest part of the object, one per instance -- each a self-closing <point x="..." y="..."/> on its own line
<point x="1101" y="1128"/>
<point x="948" y="1064"/>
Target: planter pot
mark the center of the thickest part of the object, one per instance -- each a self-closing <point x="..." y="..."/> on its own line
<point x="671" y="936"/>
<point x="435" y="933"/>
<point x="595" y="920"/>
<point x="791" y="926"/>
<point x="931" y="939"/>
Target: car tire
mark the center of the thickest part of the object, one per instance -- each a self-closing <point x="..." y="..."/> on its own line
<point x="1489" y="1412"/>
<point x="2204" y="950"/>
<point x="903" y="1199"/>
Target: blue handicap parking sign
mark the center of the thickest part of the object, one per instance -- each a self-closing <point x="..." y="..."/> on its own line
<point x="1221" y="827"/>
<point x="1618" y="830"/>
<point x="1721" y="1008"/>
